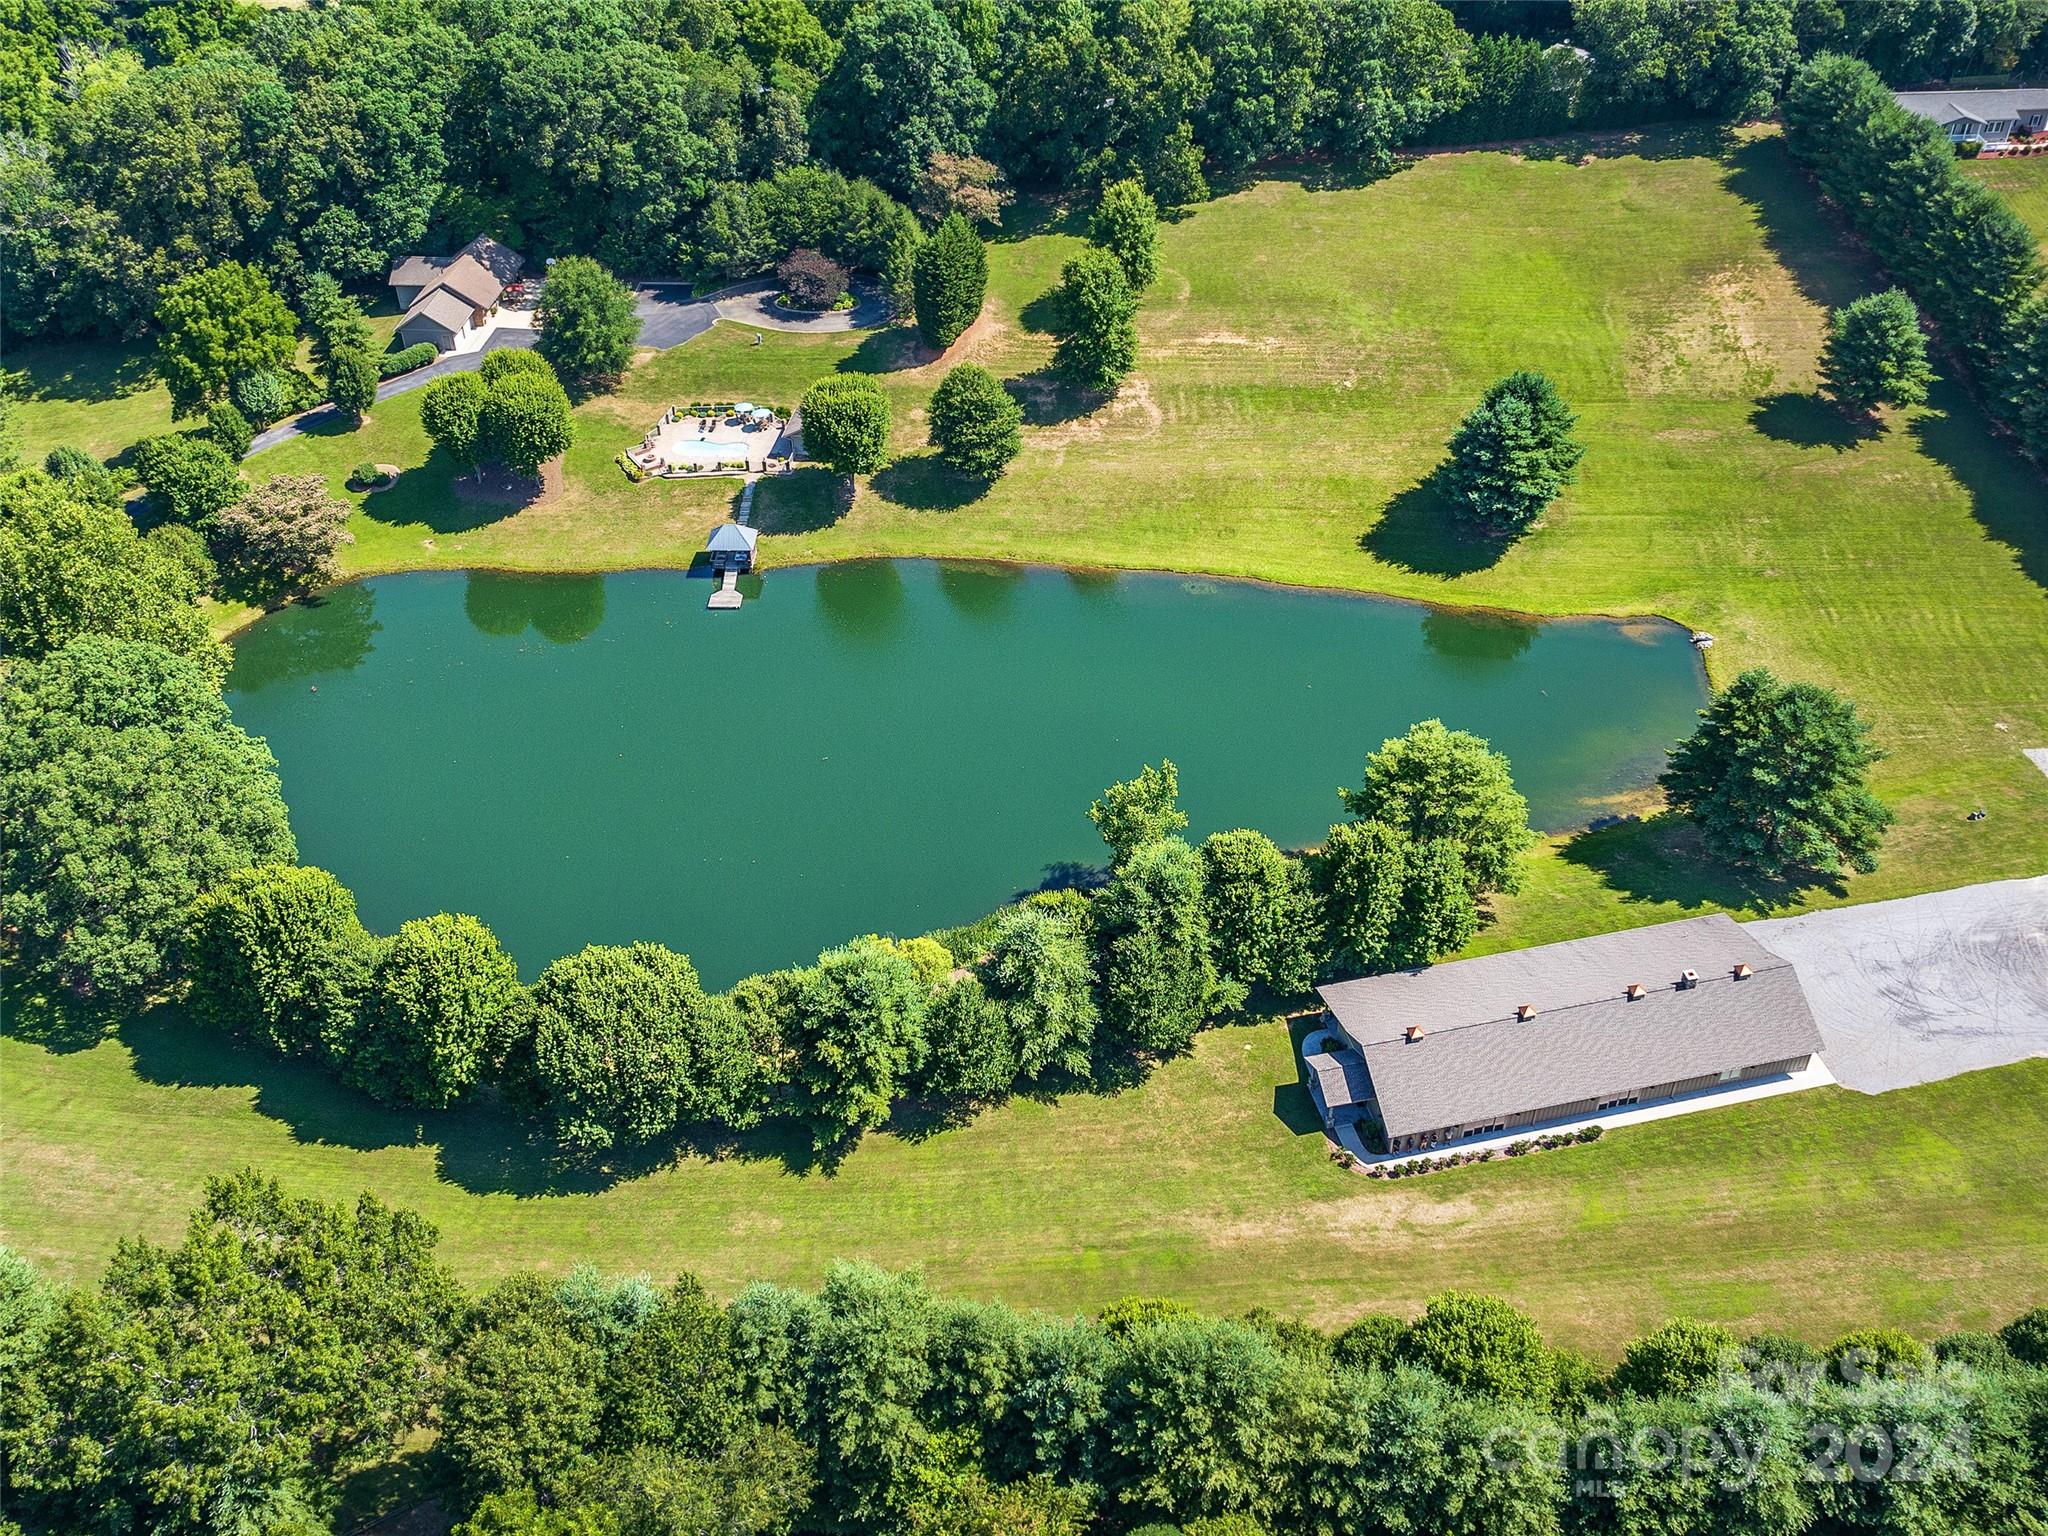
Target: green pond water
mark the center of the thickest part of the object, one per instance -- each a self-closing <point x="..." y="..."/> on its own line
<point x="883" y="746"/>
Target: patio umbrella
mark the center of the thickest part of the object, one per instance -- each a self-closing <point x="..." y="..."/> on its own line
<point x="743" y="408"/>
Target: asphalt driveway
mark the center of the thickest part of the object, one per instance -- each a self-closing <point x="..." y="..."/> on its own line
<point x="1925" y="987"/>
<point x="669" y="316"/>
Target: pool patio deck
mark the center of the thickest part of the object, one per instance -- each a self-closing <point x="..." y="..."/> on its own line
<point x="681" y="447"/>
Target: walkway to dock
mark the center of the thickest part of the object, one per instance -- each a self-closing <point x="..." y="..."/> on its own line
<point x="728" y="593"/>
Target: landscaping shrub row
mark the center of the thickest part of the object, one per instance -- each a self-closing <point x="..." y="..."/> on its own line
<point x="1965" y="255"/>
<point x="391" y="364"/>
<point x="1419" y="1165"/>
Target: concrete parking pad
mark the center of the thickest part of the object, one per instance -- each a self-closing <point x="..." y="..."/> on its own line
<point x="1925" y="987"/>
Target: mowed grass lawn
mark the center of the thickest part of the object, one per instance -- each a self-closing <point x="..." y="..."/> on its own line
<point x="1305" y="355"/>
<point x="2023" y="182"/>
<point x="1814" y="1212"/>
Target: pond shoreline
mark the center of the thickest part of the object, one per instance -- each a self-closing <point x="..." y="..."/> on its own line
<point x="243" y="616"/>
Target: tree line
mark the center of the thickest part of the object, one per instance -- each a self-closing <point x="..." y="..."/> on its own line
<point x="1954" y="243"/>
<point x="701" y="138"/>
<point x="237" y="1381"/>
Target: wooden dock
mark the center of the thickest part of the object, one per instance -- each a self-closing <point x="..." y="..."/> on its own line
<point x="728" y="593"/>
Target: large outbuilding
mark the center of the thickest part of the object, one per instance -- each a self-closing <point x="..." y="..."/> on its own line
<point x="1560" y="1033"/>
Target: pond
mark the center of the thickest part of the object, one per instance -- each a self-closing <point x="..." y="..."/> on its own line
<point x="881" y="746"/>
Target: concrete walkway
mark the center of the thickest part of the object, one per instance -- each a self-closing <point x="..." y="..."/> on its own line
<point x="1925" y="987"/>
<point x="1816" y="1075"/>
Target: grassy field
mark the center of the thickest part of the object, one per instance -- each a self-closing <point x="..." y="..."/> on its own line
<point x="2022" y="183"/>
<point x="1812" y="1212"/>
<point x="1305" y="354"/>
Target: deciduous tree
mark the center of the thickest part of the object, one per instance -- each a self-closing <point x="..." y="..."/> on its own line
<point x="589" y="323"/>
<point x="278" y="955"/>
<point x="1127" y="226"/>
<point x="451" y="410"/>
<point x="1159" y="982"/>
<point x="857" y="1028"/>
<point x="437" y="1007"/>
<point x="1482" y="1344"/>
<point x="974" y="421"/>
<point x="218" y="324"/>
<point x="1436" y="783"/>
<point x="187" y="479"/>
<point x="962" y="184"/>
<point x="71" y="566"/>
<point x="125" y="790"/>
<point x="1039" y="969"/>
<point x="1097" y="331"/>
<point x="1139" y="811"/>
<point x="522" y="422"/>
<point x="282" y="538"/>
<point x="611" y="1046"/>
<point x="282" y="1345"/>
<point x="1262" y="912"/>
<point x="901" y="90"/>
<point x="846" y="424"/>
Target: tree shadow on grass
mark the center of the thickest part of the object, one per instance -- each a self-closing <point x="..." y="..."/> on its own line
<point x="483" y="1147"/>
<point x="1030" y="216"/>
<point x="926" y="483"/>
<point x="803" y="501"/>
<point x="1422" y="531"/>
<point x="891" y="349"/>
<point x="2006" y="493"/>
<point x="89" y="372"/>
<point x="1047" y="400"/>
<point x="1041" y="316"/>
<point x="1797" y="228"/>
<point x="442" y="496"/>
<point x="1808" y="420"/>
<point x="1663" y="860"/>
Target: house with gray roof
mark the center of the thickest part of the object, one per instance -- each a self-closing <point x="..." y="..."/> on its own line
<point x="2004" y="122"/>
<point x="1559" y="1033"/>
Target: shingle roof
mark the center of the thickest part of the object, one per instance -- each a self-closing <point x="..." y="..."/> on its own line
<point x="415" y="272"/>
<point x="440" y="306"/>
<point x="728" y="537"/>
<point x="470" y="279"/>
<point x="1340" y="1079"/>
<point x="1477" y="1061"/>
<point x="1977" y="106"/>
<point x="501" y="261"/>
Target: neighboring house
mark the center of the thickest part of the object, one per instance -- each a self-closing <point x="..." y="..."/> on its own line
<point x="1559" y="1033"/>
<point x="446" y="297"/>
<point x="731" y="547"/>
<point x="2004" y="122"/>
